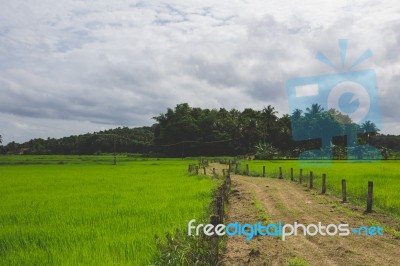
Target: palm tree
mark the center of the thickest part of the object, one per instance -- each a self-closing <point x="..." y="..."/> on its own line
<point x="268" y="116"/>
<point x="369" y="129"/>
<point x="296" y="115"/>
<point x="315" y="109"/>
<point x="297" y="126"/>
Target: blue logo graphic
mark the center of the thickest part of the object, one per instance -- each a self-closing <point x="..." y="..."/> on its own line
<point x="368" y="231"/>
<point x="348" y="97"/>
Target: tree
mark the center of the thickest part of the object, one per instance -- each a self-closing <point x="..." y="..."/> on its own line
<point x="369" y="129"/>
<point x="268" y="118"/>
<point x="315" y="109"/>
<point x="339" y="117"/>
<point x="296" y="115"/>
<point x="249" y="123"/>
<point x="385" y="153"/>
<point x="265" y="151"/>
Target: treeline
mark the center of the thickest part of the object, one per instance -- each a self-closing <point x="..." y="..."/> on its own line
<point x="221" y="132"/>
<point x="324" y="133"/>
<point x="122" y="140"/>
<point x="188" y="131"/>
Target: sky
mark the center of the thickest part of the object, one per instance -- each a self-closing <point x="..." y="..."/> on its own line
<point x="71" y="67"/>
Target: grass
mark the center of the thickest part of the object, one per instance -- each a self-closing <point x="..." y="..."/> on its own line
<point x="89" y="212"/>
<point x="66" y="159"/>
<point x="261" y="212"/>
<point x="384" y="174"/>
<point x="296" y="261"/>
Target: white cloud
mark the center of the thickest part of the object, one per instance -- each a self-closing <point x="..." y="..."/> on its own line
<point x="122" y="62"/>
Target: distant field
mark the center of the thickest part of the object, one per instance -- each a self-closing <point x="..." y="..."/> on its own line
<point x="384" y="174"/>
<point x="82" y="210"/>
<point x="66" y="159"/>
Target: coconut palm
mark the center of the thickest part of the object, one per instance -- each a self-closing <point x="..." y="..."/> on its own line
<point x="268" y="118"/>
<point x="369" y="129"/>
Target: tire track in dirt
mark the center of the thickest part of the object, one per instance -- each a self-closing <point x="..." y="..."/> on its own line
<point x="288" y="202"/>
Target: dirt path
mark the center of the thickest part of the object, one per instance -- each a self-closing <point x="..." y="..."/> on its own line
<point x="272" y="200"/>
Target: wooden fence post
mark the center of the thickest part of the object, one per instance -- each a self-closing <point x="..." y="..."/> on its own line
<point x="291" y="174"/>
<point x="213" y="171"/>
<point x="263" y="171"/>
<point x="311" y="180"/>
<point x="301" y="176"/>
<point x="228" y="180"/>
<point x="323" y="184"/>
<point x="370" y="196"/>
<point x="223" y="173"/>
<point x="280" y="172"/>
<point x="220" y="209"/>
<point x="204" y="170"/>
<point x="230" y="166"/>
<point x="227" y="186"/>
<point x="214" y="245"/>
<point x="344" y="193"/>
<point x="247" y="169"/>
<point x="197" y="170"/>
<point x="236" y="168"/>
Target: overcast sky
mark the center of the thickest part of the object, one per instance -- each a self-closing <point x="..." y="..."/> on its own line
<point x="70" y="67"/>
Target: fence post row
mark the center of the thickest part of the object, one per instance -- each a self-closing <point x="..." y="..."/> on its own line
<point x="224" y="192"/>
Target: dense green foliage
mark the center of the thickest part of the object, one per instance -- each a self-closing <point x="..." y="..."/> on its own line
<point x="89" y="212"/>
<point x="332" y="135"/>
<point x="187" y="131"/>
<point x="243" y="130"/>
<point x="135" y="140"/>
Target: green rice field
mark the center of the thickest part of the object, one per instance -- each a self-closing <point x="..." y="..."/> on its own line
<point x="82" y="210"/>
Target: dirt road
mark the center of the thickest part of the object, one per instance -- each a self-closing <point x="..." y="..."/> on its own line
<point x="272" y="200"/>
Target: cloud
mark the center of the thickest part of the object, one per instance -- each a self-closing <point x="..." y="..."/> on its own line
<point x="100" y="63"/>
